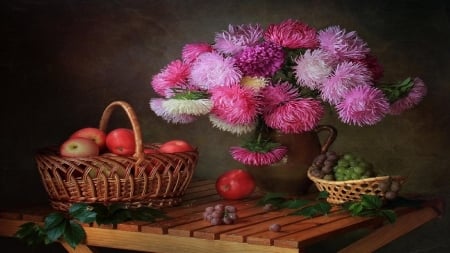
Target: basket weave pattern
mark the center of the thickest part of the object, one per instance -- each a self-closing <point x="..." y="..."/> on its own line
<point x="154" y="180"/>
<point x="351" y="190"/>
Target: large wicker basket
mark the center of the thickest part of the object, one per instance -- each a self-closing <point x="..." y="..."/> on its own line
<point x="153" y="180"/>
<point x="340" y="192"/>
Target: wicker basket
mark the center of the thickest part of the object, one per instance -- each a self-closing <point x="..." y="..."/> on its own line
<point x="153" y="180"/>
<point x="351" y="190"/>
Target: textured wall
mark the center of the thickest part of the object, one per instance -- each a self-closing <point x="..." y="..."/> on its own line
<point x="62" y="62"/>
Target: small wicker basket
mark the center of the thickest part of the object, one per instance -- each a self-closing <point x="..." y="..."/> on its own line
<point x="340" y="192"/>
<point x="153" y="180"/>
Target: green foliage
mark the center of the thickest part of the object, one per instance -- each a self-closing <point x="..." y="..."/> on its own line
<point x="396" y="91"/>
<point x="67" y="226"/>
<point x="369" y="205"/>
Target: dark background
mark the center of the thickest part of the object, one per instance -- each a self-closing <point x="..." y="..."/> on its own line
<point x="63" y="61"/>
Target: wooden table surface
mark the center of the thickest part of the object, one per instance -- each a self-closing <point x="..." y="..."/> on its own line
<point x="186" y="231"/>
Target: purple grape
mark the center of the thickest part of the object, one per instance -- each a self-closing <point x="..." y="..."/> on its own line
<point x="275" y="227"/>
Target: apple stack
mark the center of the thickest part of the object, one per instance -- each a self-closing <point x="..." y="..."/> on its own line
<point x="96" y="165"/>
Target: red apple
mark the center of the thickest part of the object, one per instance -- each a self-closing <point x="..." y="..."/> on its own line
<point x="79" y="147"/>
<point x="95" y="134"/>
<point x="174" y="146"/>
<point x="120" y="141"/>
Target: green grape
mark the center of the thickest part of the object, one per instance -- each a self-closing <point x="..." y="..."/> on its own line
<point x="359" y="170"/>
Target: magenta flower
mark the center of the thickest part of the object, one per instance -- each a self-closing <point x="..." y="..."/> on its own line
<point x="312" y="68"/>
<point x="190" y="52"/>
<point x="260" y="60"/>
<point x="415" y="95"/>
<point x="375" y="68"/>
<point x="343" y="45"/>
<point x="237" y="38"/>
<point x="346" y="76"/>
<point x="273" y="96"/>
<point x="363" y="105"/>
<point x="175" y="74"/>
<point x="235" y="104"/>
<point x="156" y="106"/>
<point x="212" y="70"/>
<point x="295" y="116"/>
<point x="292" y="34"/>
<point x="255" y="158"/>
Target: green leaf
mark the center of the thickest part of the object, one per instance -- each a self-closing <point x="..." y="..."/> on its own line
<point x="322" y="195"/>
<point x="275" y="199"/>
<point x="74" y="234"/>
<point x="320" y="208"/>
<point x="82" y="212"/>
<point x="53" y="220"/>
<point x="296" y="203"/>
<point x="371" y="201"/>
<point x="54" y="233"/>
<point x="31" y="233"/>
<point x="390" y="215"/>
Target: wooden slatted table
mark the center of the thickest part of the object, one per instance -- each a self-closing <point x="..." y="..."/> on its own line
<point x="186" y="231"/>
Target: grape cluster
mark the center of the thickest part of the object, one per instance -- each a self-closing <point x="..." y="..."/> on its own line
<point x="390" y="188"/>
<point x="220" y="214"/>
<point x="331" y="166"/>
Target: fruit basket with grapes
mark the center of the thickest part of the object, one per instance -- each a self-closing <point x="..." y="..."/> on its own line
<point x="346" y="177"/>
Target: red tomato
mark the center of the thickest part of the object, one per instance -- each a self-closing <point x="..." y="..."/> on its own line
<point x="235" y="184"/>
<point x="174" y="146"/>
<point x="121" y="141"/>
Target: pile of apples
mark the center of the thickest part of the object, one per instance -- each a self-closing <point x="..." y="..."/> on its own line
<point x="91" y="141"/>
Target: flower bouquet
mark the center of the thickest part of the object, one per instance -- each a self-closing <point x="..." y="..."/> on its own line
<point x="253" y="80"/>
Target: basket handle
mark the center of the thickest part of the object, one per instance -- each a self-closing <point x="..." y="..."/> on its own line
<point x="332" y="134"/>
<point x="139" y="150"/>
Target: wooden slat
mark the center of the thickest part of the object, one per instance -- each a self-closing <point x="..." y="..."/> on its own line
<point x="165" y="243"/>
<point x="340" y="223"/>
<point x="390" y="232"/>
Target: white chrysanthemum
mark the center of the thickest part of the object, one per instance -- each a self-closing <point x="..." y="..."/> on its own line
<point x="312" y="68"/>
<point x="232" y="128"/>
<point x="186" y="106"/>
<point x="156" y="106"/>
<point x="254" y="83"/>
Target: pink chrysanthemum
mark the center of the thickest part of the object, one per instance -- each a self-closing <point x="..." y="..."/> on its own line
<point x="312" y="68"/>
<point x="343" y="45"/>
<point x="232" y="128"/>
<point x="235" y="104"/>
<point x="276" y="95"/>
<point x="249" y="157"/>
<point x="416" y="94"/>
<point x="175" y="74"/>
<point x="158" y="109"/>
<point x="213" y="70"/>
<point x="190" y="52"/>
<point x="292" y="34"/>
<point x="260" y="60"/>
<point x="237" y="38"/>
<point x="363" y="105"/>
<point x="295" y="116"/>
<point x="346" y="76"/>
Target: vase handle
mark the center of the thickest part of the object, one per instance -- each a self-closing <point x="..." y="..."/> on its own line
<point x="332" y="133"/>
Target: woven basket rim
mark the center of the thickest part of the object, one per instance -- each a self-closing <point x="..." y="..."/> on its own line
<point x="354" y="181"/>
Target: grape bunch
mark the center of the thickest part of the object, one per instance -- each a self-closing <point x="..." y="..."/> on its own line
<point x="390" y="188"/>
<point x="331" y="166"/>
<point x="220" y="214"/>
